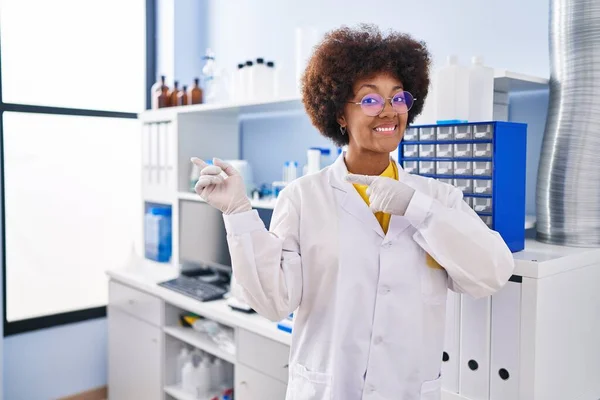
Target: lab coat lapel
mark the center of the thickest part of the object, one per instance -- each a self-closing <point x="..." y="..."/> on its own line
<point x="349" y="199"/>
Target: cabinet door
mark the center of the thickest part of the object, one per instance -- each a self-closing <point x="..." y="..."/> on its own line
<point x="134" y="358"/>
<point x="252" y="385"/>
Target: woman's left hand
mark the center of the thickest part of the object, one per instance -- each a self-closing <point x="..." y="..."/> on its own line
<point x="385" y="194"/>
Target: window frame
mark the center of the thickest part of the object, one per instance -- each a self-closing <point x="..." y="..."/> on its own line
<point x="48" y="321"/>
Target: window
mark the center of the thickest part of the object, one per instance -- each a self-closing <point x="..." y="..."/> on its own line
<point x="72" y="80"/>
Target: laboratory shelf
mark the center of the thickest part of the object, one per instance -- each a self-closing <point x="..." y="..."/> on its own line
<point x="177" y="392"/>
<point x="267" y="204"/>
<point x="200" y="341"/>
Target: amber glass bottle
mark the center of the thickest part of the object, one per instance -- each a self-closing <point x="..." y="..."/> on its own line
<point x="160" y="94"/>
<point x="173" y="94"/>
<point x="182" y="97"/>
<point x="195" y="93"/>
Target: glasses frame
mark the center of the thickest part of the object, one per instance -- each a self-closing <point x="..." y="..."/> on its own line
<point x="385" y="101"/>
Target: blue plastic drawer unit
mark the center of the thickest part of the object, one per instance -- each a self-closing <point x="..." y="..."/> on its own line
<point x="486" y="160"/>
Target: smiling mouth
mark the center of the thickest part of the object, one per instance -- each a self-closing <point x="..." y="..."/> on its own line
<point x="386" y="130"/>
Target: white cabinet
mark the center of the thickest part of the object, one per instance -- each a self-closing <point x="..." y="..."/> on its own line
<point x="134" y="358"/>
<point x="253" y="385"/>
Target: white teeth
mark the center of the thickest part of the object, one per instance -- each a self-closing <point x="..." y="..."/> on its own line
<point x="385" y="129"/>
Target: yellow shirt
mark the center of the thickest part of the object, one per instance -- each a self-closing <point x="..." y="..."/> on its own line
<point x="384" y="219"/>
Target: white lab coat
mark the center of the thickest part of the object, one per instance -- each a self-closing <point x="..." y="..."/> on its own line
<point x="370" y="312"/>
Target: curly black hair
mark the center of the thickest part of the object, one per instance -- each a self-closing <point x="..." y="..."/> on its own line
<point x="346" y="55"/>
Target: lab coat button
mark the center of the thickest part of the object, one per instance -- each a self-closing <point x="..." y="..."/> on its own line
<point x="384" y="290"/>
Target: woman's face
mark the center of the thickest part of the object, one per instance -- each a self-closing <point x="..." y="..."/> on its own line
<point x="380" y="133"/>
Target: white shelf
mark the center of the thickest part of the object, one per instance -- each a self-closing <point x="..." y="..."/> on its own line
<point x="252" y="107"/>
<point x="199" y="341"/>
<point x="267" y="204"/>
<point x="507" y="81"/>
<point x="177" y="392"/>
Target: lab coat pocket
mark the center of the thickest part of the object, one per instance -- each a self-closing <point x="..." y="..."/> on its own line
<point x="305" y="384"/>
<point x="434" y="285"/>
<point x="432" y="390"/>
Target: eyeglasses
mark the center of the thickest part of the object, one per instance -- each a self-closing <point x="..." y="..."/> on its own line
<point x="373" y="104"/>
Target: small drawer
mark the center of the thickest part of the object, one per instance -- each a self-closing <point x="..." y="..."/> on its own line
<point x="463" y="168"/>
<point x="463" y="150"/>
<point x="482" y="131"/>
<point x="443" y="150"/>
<point x="262" y="354"/>
<point x="444" y="168"/>
<point x="411" y="150"/>
<point x="412" y="167"/>
<point x="482" y="204"/>
<point x="427" y="133"/>
<point x="445" y="133"/>
<point x="463" y="132"/>
<point x="469" y="201"/>
<point x="139" y="304"/>
<point x="411" y="134"/>
<point x="427" y="150"/>
<point x="482" y="150"/>
<point x="448" y="181"/>
<point x="466" y="185"/>
<point x="487" y="219"/>
<point x="482" y="168"/>
<point x="427" y="167"/>
<point x="482" y="186"/>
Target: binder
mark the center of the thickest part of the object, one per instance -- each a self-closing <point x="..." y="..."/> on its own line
<point x="451" y="355"/>
<point x="475" y="348"/>
<point x="506" y="335"/>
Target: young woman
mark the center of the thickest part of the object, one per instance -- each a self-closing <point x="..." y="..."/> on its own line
<point x="362" y="251"/>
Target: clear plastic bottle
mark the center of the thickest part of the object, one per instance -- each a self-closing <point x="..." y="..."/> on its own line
<point x="273" y="76"/>
<point x="452" y="92"/>
<point x="481" y="91"/>
<point x="262" y="84"/>
<point x="239" y="86"/>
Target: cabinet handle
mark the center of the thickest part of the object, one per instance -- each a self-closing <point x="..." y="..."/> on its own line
<point x="243" y="383"/>
<point x="286" y="366"/>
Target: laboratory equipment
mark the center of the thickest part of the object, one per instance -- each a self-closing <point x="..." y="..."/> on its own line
<point x="248" y="80"/>
<point x="486" y="161"/>
<point x="278" y="186"/>
<point x="568" y="184"/>
<point x="481" y="91"/>
<point x="452" y="92"/>
<point x="183" y="357"/>
<point x="261" y="84"/>
<point x="157" y="233"/>
<point x="290" y="171"/>
<point x="195" y="94"/>
<point x="273" y="74"/>
<point x="174" y="94"/>
<point x="160" y="94"/>
<point x="182" y="97"/>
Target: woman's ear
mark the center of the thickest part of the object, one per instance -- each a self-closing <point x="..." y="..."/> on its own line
<point x="342" y="121"/>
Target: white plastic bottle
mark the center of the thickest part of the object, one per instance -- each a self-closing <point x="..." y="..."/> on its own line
<point x="453" y="92"/>
<point x="248" y="77"/>
<point x="481" y="91"/>
<point x="182" y="359"/>
<point x="262" y="85"/>
<point x="239" y="87"/>
<point x="204" y="378"/>
<point x="189" y="378"/>
<point x="273" y="76"/>
<point x="218" y="375"/>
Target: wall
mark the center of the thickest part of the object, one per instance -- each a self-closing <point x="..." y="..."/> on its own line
<point x="55" y="362"/>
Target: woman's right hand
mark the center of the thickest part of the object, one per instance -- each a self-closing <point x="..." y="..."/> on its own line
<point x="227" y="193"/>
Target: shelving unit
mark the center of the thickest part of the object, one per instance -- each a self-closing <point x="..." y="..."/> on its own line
<point x="199" y="341"/>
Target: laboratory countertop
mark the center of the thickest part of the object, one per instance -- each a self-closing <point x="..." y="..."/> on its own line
<point x="145" y="275"/>
<point x="538" y="260"/>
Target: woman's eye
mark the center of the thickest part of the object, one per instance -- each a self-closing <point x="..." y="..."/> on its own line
<point x="370" y="100"/>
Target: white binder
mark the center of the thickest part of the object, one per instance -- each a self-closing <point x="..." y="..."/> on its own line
<point x="475" y="348"/>
<point x="506" y="334"/>
<point x="451" y="356"/>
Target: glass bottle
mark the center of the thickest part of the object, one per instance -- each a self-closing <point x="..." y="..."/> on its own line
<point x="182" y="97"/>
<point x="195" y="93"/>
<point x="160" y="94"/>
<point x="173" y="94"/>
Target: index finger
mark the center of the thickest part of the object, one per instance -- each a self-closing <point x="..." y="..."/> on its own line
<point x="199" y="162"/>
<point x="360" y="179"/>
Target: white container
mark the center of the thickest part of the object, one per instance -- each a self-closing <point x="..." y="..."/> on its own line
<point x="262" y="84"/>
<point x="190" y="378"/>
<point x="245" y="170"/>
<point x="204" y="378"/>
<point x="239" y="86"/>
<point x="182" y="359"/>
<point x="313" y="157"/>
<point x="452" y="92"/>
<point x="306" y="39"/>
<point x="273" y="75"/>
<point x="481" y="91"/>
<point x="248" y="78"/>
